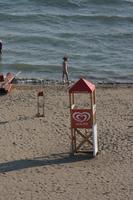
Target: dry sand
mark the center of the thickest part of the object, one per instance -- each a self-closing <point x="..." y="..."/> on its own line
<point x="34" y="152"/>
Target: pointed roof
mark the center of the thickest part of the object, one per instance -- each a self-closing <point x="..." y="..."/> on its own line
<point x="82" y="85"/>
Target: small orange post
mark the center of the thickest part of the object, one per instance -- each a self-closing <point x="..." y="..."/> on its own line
<point x="40" y="104"/>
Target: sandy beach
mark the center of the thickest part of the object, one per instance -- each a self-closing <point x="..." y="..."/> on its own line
<point x="35" y="160"/>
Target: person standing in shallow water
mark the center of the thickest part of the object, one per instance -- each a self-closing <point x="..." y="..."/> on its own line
<point x="0" y="47"/>
<point x="65" y="70"/>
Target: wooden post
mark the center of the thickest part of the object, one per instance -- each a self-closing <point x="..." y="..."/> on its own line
<point x="40" y="104"/>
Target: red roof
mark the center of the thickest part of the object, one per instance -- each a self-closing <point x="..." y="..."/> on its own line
<point x="82" y="85"/>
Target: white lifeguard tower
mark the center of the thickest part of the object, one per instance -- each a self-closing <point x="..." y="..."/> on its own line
<point x="83" y="117"/>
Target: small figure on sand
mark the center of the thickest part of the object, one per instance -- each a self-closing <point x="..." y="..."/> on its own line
<point x="65" y="70"/>
<point x="0" y="47"/>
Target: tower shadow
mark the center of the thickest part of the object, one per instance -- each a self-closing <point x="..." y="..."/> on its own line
<point x="54" y="159"/>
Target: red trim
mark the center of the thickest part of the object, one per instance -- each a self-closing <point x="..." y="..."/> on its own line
<point x="82" y="85"/>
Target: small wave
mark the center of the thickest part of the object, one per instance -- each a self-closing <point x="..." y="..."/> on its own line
<point x="59" y="3"/>
<point x="29" y="67"/>
<point x="128" y="1"/>
<point x="58" y="18"/>
<point x="23" y="17"/>
<point x="38" y="41"/>
<point x="128" y="36"/>
<point x="108" y="1"/>
<point x="77" y="3"/>
<point x="104" y="18"/>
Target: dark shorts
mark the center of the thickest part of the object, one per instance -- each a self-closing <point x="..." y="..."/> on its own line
<point x="0" y="45"/>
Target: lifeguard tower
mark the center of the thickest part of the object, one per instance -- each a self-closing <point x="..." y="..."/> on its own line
<point x="83" y="117"/>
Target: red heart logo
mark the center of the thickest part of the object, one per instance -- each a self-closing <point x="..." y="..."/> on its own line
<point x="81" y="116"/>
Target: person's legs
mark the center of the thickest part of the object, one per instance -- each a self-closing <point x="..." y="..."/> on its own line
<point x="67" y="76"/>
<point x="63" y="77"/>
<point x="0" y="47"/>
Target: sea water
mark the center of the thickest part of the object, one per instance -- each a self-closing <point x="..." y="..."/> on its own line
<point x="96" y="35"/>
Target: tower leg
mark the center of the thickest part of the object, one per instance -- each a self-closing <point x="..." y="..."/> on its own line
<point x="95" y="141"/>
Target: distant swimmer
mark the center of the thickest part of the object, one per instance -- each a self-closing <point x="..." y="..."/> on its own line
<point x="65" y="70"/>
<point x="0" y="47"/>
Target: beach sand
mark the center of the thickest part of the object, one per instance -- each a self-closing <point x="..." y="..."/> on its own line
<point x="35" y="163"/>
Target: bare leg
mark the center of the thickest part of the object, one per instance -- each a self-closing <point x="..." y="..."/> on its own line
<point x="63" y="76"/>
<point x="67" y="78"/>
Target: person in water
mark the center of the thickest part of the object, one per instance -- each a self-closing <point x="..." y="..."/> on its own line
<point x="65" y="70"/>
<point x="0" y="47"/>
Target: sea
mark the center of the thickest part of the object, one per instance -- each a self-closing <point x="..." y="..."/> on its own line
<point x="96" y="35"/>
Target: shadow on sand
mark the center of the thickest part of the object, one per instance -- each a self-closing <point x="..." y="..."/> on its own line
<point x="54" y="159"/>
